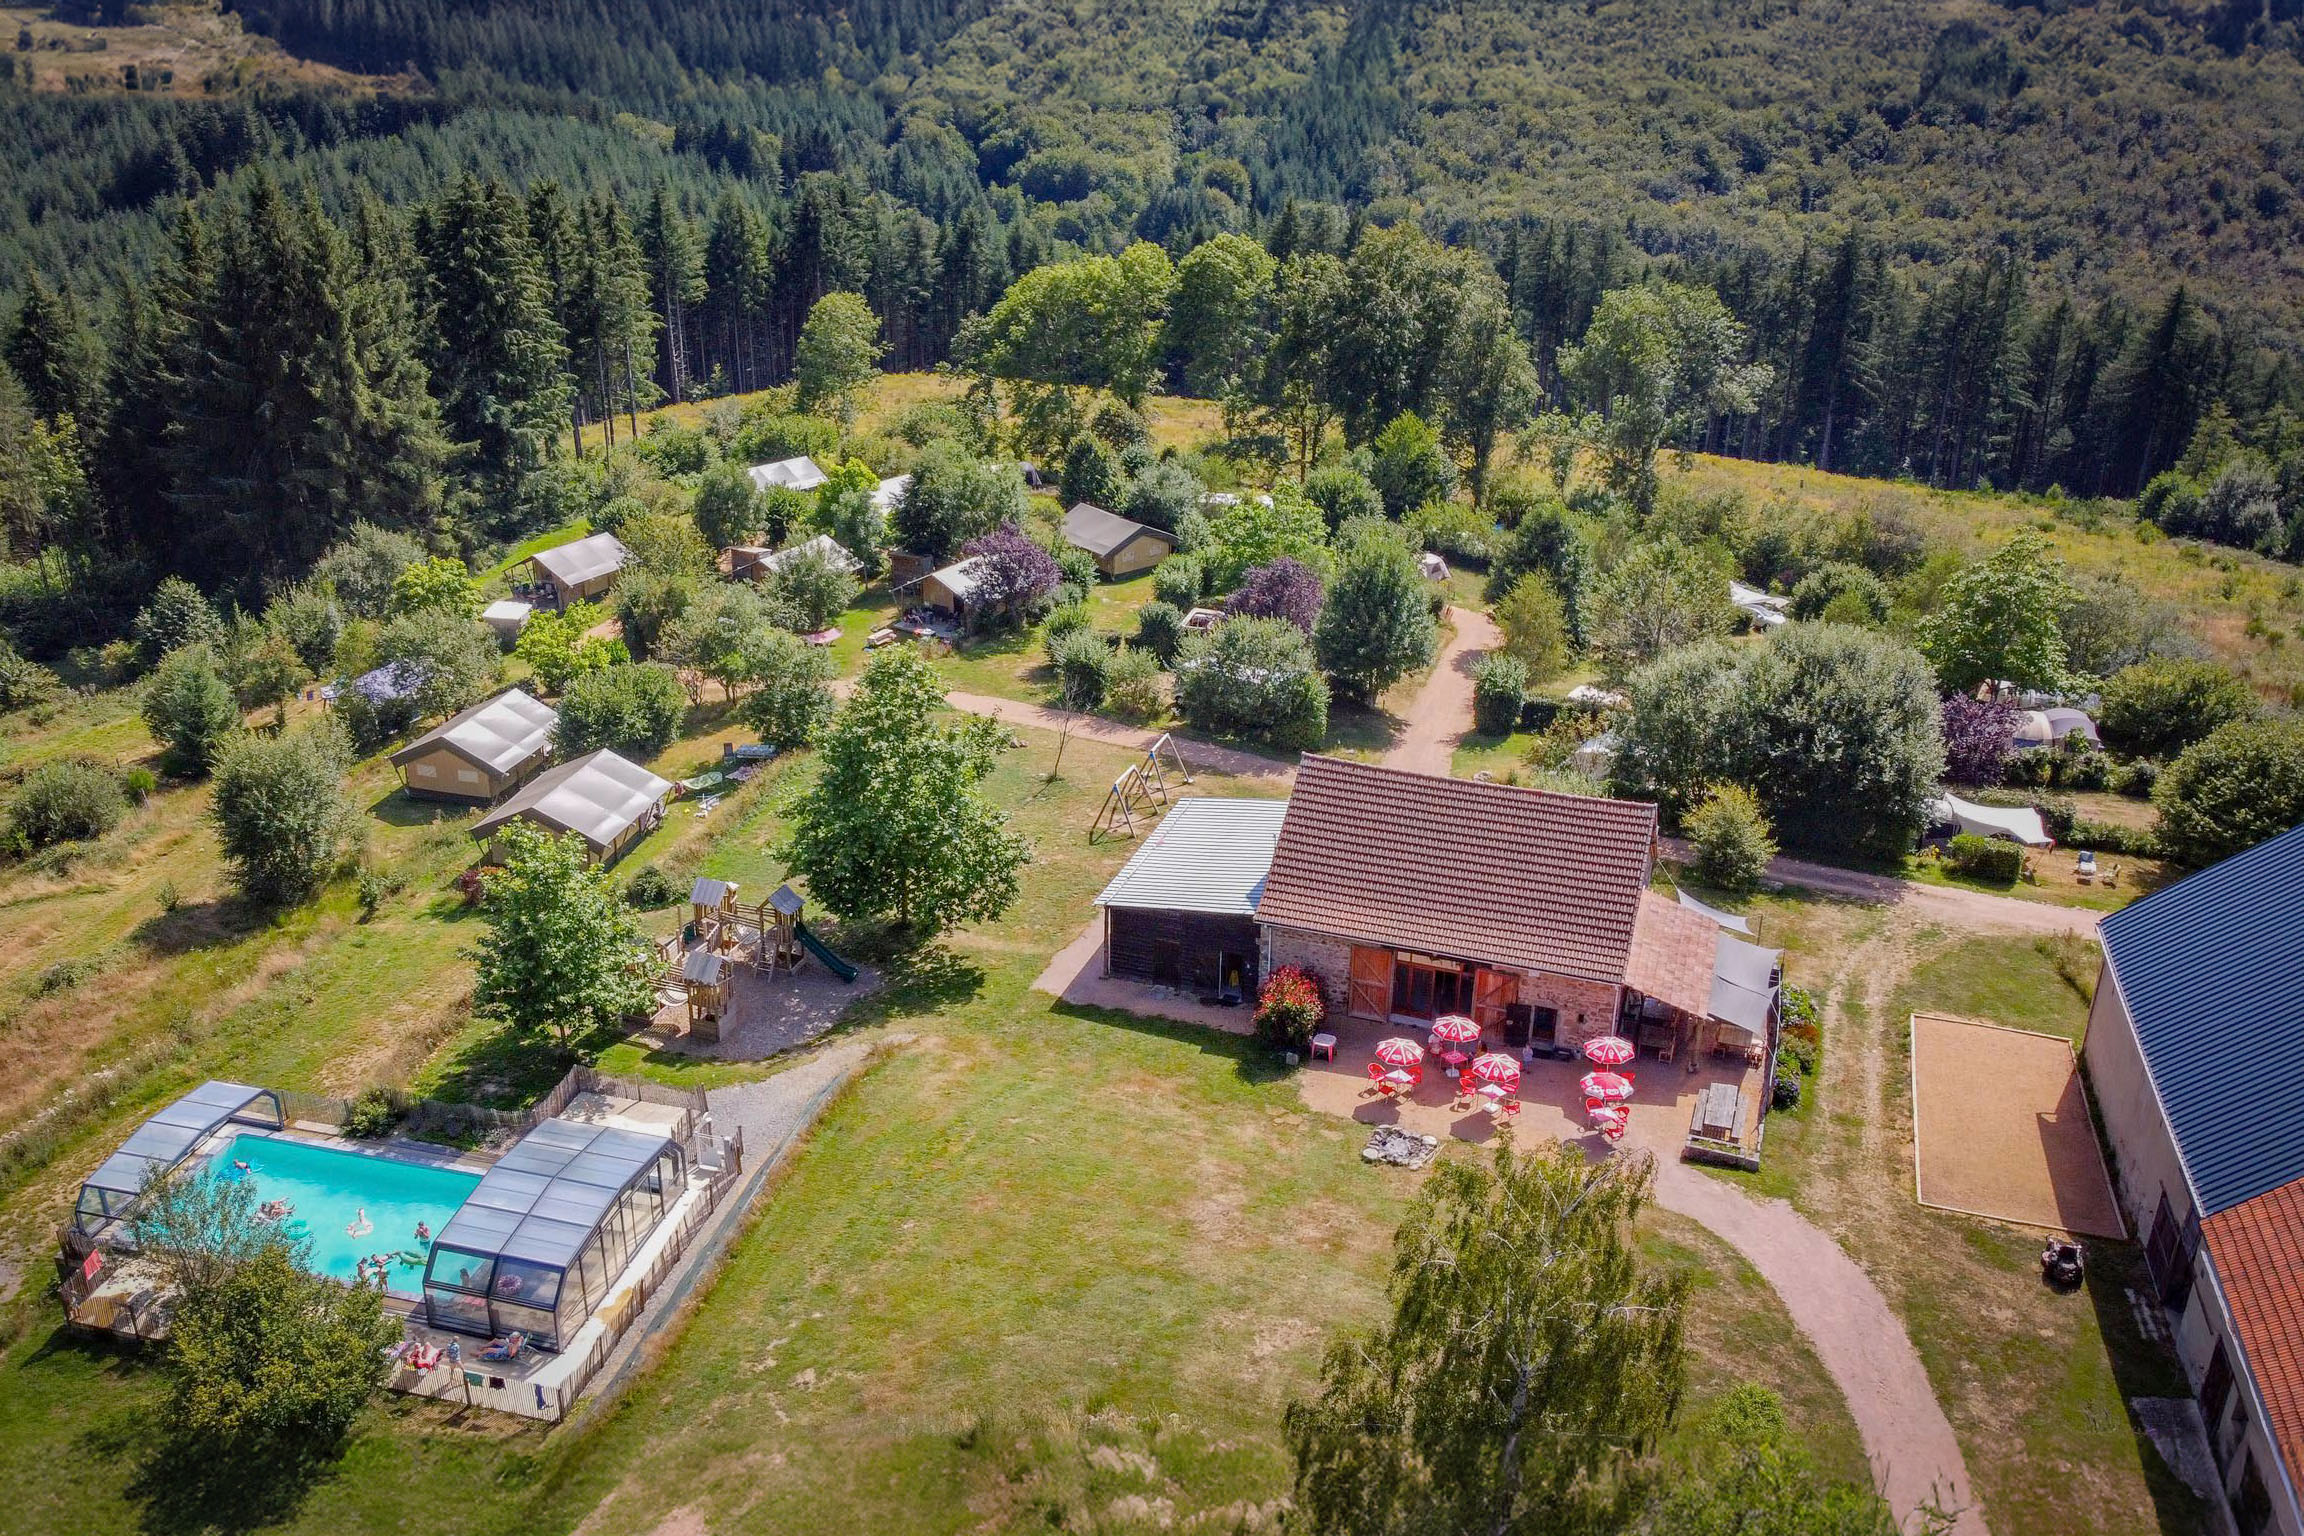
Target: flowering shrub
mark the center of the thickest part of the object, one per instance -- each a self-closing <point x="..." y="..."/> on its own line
<point x="1290" y="1007"/>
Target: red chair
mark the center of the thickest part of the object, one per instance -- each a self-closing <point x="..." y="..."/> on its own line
<point x="1511" y="1106"/>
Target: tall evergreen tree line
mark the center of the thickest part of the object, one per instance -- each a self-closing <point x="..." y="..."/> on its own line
<point x="284" y="373"/>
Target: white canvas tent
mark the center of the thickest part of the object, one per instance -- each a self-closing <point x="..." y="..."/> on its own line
<point x="1766" y="611"/>
<point x="2019" y="824"/>
<point x="2046" y="727"/>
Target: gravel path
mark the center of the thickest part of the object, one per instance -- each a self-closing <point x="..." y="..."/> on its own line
<point x="1916" y="1460"/>
<point x="1442" y="712"/>
<point x="1199" y="754"/>
<point x="1954" y="906"/>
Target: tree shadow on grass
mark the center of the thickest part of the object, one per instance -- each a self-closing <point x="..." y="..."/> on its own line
<point x="508" y="1068"/>
<point x="199" y="925"/>
<point x="1254" y="1061"/>
<point x="1362" y="728"/>
<point x="398" y="808"/>
<point x="924" y="978"/>
<point x="190" y="1486"/>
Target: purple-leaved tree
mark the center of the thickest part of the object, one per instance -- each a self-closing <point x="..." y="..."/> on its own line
<point x="1017" y="573"/>
<point x="1979" y="735"/>
<point x="1285" y="588"/>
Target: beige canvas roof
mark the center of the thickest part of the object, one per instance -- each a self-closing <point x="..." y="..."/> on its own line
<point x="586" y="560"/>
<point x="598" y="797"/>
<point x="498" y="734"/>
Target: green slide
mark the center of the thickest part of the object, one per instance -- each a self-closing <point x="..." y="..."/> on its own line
<point x="823" y="954"/>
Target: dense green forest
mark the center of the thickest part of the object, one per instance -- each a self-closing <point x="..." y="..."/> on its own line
<point x="2032" y="246"/>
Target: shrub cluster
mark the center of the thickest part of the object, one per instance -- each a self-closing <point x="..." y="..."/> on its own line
<point x="1290" y="1008"/>
<point x="1499" y="691"/>
<point x="1985" y="858"/>
<point x="64" y="801"/>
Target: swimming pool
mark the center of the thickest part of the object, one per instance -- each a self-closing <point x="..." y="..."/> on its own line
<point x="332" y="1192"/>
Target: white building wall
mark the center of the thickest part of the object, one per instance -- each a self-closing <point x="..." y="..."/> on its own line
<point x="2146" y="1167"/>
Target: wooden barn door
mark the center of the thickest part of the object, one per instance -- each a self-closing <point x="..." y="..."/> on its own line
<point x="1370" y="995"/>
<point x="1492" y="993"/>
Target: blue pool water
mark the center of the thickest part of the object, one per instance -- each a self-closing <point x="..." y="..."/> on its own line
<point x="331" y="1189"/>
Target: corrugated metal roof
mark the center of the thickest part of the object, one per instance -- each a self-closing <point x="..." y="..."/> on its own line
<point x="572" y="565"/>
<point x="1206" y="855"/>
<point x="498" y="734"/>
<point x="2212" y="972"/>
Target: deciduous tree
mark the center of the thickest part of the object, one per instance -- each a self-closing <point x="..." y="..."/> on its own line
<point x="562" y="953"/>
<point x="2001" y="619"/>
<point x="280" y="812"/>
<point x="897" y="826"/>
<point x="838" y="355"/>
<point x="1531" y="1357"/>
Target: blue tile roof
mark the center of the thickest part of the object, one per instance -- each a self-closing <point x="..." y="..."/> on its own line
<point x="2212" y="971"/>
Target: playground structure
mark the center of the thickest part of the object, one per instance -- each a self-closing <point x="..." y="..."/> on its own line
<point x="1141" y="790"/>
<point x="724" y="937"/>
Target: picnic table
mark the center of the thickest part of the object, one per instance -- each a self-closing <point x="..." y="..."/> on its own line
<point x="1719" y="1110"/>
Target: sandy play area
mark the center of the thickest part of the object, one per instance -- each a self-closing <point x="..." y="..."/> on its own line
<point x="2001" y="1128"/>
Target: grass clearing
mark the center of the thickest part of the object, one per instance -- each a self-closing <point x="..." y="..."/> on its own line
<point x="1031" y="1231"/>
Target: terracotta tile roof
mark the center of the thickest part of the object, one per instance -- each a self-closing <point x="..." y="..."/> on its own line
<point x="1672" y="954"/>
<point x="2258" y="1249"/>
<point x="1517" y="877"/>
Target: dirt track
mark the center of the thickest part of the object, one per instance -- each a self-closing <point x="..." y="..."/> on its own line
<point x="1442" y="711"/>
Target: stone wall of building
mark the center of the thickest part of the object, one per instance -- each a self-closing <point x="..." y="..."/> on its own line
<point x="1586" y="1008"/>
<point x="1331" y="958"/>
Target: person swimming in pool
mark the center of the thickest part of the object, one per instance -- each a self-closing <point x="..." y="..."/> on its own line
<point x="359" y="1225"/>
<point x="240" y="1163"/>
<point x="423" y="1233"/>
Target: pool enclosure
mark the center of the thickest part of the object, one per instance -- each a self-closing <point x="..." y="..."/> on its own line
<point x="535" y="1248"/>
<point x="164" y="1141"/>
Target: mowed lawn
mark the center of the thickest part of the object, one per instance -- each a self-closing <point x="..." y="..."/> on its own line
<point x="1036" y="1264"/>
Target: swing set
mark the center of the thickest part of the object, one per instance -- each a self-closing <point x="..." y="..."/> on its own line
<point x="1141" y="790"/>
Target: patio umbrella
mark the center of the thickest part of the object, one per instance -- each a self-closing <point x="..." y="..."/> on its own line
<point x="1398" y="1052"/>
<point x="1495" y="1067"/>
<point x="1454" y="1029"/>
<point x="1606" y="1087"/>
<point x="1608" y="1050"/>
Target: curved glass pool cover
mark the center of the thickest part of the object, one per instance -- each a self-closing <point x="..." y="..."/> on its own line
<point x="165" y="1140"/>
<point x="534" y="1249"/>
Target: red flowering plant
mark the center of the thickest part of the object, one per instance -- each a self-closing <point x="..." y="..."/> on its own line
<point x="1290" y="1008"/>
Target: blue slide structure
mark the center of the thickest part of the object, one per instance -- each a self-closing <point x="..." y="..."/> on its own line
<point x="823" y="953"/>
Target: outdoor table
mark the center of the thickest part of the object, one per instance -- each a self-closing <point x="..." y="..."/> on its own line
<point x="1323" y="1044"/>
<point x="1455" y="1060"/>
<point x="1397" y="1079"/>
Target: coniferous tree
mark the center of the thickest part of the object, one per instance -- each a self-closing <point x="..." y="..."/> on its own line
<point x="300" y="408"/>
<point x="497" y="360"/>
<point x="55" y="356"/>
<point x="675" y="256"/>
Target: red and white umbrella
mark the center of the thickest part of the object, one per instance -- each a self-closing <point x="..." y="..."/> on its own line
<point x="1608" y="1050"/>
<point x="1398" y="1052"/>
<point x="1495" y="1067"/>
<point x="1607" y="1087"/>
<point x="1454" y="1029"/>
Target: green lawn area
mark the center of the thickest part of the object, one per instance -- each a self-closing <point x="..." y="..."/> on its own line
<point x="2035" y="1382"/>
<point x="1028" y="1233"/>
<point x="2006" y="981"/>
